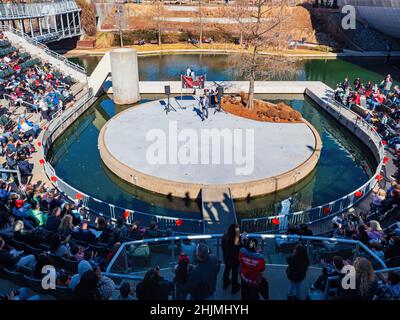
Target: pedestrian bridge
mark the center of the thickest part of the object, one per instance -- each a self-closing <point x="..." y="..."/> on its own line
<point x="44" y="21"/>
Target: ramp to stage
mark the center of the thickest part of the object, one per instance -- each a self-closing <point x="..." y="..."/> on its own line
<point x="100" y="74"/>
<point x="218" y="209"/>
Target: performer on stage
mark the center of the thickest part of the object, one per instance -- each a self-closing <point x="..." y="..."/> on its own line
<point x="188" y="72"/>
<point x="213" y="99"/>
<point x="219" y="97"/>
<point x="204" y="102"/>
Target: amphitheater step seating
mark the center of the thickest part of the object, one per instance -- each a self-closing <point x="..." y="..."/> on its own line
<point x="78" y="90"/>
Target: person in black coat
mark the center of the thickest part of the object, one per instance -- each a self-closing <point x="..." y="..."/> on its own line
<point x="392" y="250"/>
<point x="202" y="281"/>
<point x="231" y="244"/>
<point x="153" y="286"/>
<point x="298" y="264"/>
<point x="83" y="234"/>
<point x="53" y="221"/>
<point x="7" y="260"/>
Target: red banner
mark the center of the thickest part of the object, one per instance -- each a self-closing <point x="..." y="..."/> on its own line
<point x="190" y="83"/>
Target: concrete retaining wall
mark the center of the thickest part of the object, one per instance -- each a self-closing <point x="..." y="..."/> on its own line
<point x="363" y="133"/>
<point x="192" y="190"/>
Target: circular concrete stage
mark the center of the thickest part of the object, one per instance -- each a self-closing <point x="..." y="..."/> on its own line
<point x="177" y="153"/>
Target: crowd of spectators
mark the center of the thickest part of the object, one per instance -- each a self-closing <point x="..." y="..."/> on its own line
<point x="379" y="104"/>
<point x="39" y="227"/>
<point x="36" y="87"/>
<point x="34" y="84"/>
<point x="244" y="266"/>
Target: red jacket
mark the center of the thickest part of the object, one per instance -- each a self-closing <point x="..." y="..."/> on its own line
<point x="252" y="266"/>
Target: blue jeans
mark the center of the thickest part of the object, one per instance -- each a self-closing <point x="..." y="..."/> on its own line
<point x="373" y="104"/>
<point x="295" y="289"/>
<point x="179" y="293"/>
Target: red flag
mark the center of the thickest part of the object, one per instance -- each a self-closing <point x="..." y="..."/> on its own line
<point x="189" y="82"/>
<point x="385" y="160"/>
<point x="326" y="210"/>
<point x="275" y="221"/>
<point x="125" y="214"/>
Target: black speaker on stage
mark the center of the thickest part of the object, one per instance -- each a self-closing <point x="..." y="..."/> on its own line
<point x="220" y="91"/>
<point x="167" y="90"/>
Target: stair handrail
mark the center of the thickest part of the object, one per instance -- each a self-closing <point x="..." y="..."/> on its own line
<point x="42" y="46"/>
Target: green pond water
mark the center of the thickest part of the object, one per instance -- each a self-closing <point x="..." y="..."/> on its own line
<point x="219" y="67"/>
<point x="344" y="165"/>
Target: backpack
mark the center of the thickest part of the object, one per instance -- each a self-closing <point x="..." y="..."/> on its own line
<point x="25" y="167"/>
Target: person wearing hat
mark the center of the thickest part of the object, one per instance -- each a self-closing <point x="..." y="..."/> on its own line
<point x="83" y="266"/>
<point x="252" y="266"/>
<point x="21" y="209"/>
<point x="182" y="271"/>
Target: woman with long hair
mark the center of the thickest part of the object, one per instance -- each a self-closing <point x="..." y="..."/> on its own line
<point x="66" y="226"/>
<point x="365" y="285"/>
<point x="375" y="232"/>
<point x="298" y="264"/>
<point x="365" y="278"/>
<point x="231" y="244"/>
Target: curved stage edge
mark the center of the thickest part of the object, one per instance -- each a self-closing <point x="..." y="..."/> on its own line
<point x="239" y="190"/>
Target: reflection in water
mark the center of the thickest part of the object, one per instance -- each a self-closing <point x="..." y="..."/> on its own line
<point x="218" y="68"/>
<point x="344" y="165"/>
<point x="338" y="172"/>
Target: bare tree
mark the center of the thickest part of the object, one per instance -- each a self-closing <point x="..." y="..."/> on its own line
<point x="200" y="11"/>
<point x="158" y="13"/>
<point x="237" y="11"/>
<point x="262" y="19"/>
<point x="120" y="17"/>
<point x="88" y="17"/>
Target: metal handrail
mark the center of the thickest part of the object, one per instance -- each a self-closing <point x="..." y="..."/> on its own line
<point x="42" y="46"/>
<point x="332" y="204"/>
<point x="47" y="140"/>
<point x="9" y="98"/>
<point x="395" y="269"/>
<point x="56" y="123"/>
<point x="16" y="171"/>
<point x="250" y="235"/>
